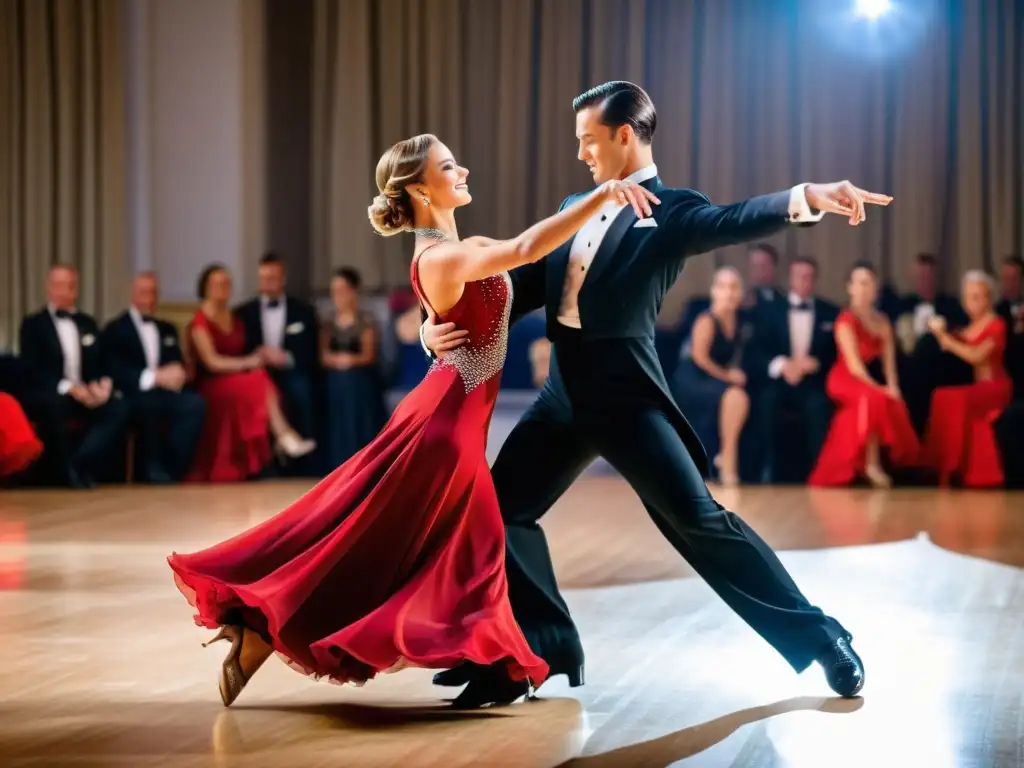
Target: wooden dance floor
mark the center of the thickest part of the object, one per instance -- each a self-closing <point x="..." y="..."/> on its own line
<point x="101" y="665"/>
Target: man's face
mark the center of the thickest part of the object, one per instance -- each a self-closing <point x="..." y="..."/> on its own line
<point x="802" y="278"/>
<point x="145" y="294"/>
<point x="605" y="150"/>
<point x="271" y="280"/>
<point x="62" y="288"/>
<point x="1009" y="281"/>
<point x="761" y="268"/>
<point x="924" y="280"/>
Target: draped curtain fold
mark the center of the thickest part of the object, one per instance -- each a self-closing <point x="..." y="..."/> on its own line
<point x="62" y="156"/>
<point x="752" y="96"/>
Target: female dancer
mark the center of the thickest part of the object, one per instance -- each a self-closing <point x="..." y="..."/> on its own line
<point x="396" y="558"/>
<point x="870" y="415"/>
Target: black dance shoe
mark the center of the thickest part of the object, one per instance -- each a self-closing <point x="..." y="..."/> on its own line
<point x="843" y="668"/>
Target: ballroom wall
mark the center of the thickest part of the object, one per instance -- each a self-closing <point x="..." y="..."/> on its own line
<point x="196" y="156"/>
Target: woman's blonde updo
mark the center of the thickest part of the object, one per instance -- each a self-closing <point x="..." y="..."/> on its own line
<point x="402" y="165"/>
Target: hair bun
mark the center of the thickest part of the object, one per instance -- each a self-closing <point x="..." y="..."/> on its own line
<point x="390" y="214"/>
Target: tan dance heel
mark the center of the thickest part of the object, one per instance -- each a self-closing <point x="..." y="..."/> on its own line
<point x="232" y="678"/>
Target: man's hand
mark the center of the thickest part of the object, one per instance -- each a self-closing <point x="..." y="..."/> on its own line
<point x="100" y="391"/>
<point x="443" y="338"/>
<point x="273" y="357"/>
<point x="792" y="372"/>
<point x="843" y="198"/>
<point x="809" y="365"/>
<point x="171" y="376"/>
<point x="81" y="394"/>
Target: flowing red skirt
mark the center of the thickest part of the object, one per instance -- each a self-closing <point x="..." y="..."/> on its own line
<point x="959" y="439"/>
<point x="862" y="412"/>
<point x="19" y="446"/>
<point x="395" y="559"/>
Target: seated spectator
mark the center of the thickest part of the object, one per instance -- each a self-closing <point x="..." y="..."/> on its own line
<point x="1011" y="309"/>
<point x="145" y="360"/>
<point x="283" y="330"/>
<point x="870" y="415"/>
<point x="762" y="264"/>
<point x="241" y="400"/>
<point x="794" y="347"/>
<point x="75" y="394"/>
<point x="959" y="439"/>
<point x="922" y="365"/>
<point x="709" y="384"/>
<point x="19" y="446"/>
<point x="348" y="352"/>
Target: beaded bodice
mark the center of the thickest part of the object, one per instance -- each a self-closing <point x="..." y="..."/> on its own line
<point x="483" y="311"/>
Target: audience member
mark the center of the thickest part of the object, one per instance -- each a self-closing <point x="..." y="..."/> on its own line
<point x="795" y="348"/>
<point x="710" y="384"/>
<point x="145" y="360"/>
<point x="923" y="366"/>
<point x="959" y="439"/>
<point x="1011" y="309"/>
<point x="241" y="400"/>
<point x="348" y="352"/>
<point x="762" y="264"/>
<point x="870" y="415"/>
<point x="283" y="331"/>
<point x="19" y="446"/>
<point x="75" y="392"/>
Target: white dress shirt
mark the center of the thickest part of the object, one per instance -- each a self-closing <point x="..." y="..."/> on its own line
<point x="272" y="320"/>
<point x="801" y="334"/>
<point x="71" y="347"/>
<point x="150" y="338"/>
<point x="923" y="312"/>
<point x="590" y="235"/>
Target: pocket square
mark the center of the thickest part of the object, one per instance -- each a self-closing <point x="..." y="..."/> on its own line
<point x="169" y="341"/>
<point x="647" y="222"/>
<point x="295" y="328"/>
<point x="88" y="339"/>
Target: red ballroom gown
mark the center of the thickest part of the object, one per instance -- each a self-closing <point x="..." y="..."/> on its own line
<point x="19" y="446"/>
<point x="861" y="411"/>
<point x="396" y="558"/>
<point x="959" y="439"/>
<point x="235" y="444"/>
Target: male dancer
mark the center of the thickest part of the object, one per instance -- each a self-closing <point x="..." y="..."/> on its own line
<point x="606" y="395"/>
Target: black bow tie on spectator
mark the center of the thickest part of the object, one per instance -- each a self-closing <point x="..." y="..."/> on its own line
<point x="273" y="303"/>
<point x="803" y="306"/>
<point x="147" y="319"/>
<point x="62" y="314"/>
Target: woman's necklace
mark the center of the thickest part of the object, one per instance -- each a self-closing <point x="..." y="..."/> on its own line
<point x="432" y="233"/>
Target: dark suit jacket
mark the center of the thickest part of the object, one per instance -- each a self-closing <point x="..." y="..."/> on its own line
<point x="634" y="269"/>
<point x="126" y="359"/>
<point x="301" y="331"/>
<point x="759" y="299"/>
<point x="40" y="348"/>
<point x="772" y="338"/>
<point x="945" y="306"/>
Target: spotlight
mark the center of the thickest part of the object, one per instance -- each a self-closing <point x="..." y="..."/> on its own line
<point x="872" y="9"/>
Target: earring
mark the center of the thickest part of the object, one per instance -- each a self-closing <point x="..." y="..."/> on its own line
<point x="425" y="201"/>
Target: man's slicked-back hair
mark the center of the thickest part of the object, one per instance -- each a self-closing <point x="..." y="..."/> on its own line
<point x="621" y="103"/>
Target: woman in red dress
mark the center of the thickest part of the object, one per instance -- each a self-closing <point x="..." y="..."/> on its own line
<point x="869" y="415"/>
<point x="241" y="400"/>
<point x="396" y="558"/>
<point x="19" y="446"/>
<point x="959" y="439"/>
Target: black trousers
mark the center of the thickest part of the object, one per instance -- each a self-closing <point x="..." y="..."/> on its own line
<point x="56" y="416"/>
<point x="549" y="448"/>
<point x="297" y="400"/>
<point x="170" y="425"/>
<point x="809" y="401"/>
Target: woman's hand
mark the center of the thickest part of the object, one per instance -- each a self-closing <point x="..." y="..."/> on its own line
<point x="937" y="325"/>
<point x="736" y="377"/>
<point x="630" y="193"/>
<point x="893" y="391"/>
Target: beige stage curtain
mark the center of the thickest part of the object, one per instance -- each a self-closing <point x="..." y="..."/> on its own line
<point x="62" y="138"/>
<point x="752" y="96"/>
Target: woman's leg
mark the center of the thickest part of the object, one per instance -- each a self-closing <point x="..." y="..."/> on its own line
<point x="732" y="415"/>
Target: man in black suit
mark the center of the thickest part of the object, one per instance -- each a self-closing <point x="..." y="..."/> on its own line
<point x="62" y="346"/>
<point x="762" y="263"/>
<point x="1011" y="309"/>
<point x="607" y="395"/>
<point x="794" y="348"/>
<point x="145" y="362"/>
<point x="285" y="330"/>
<point x="923" y="365"/>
